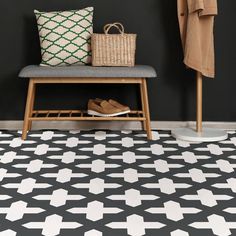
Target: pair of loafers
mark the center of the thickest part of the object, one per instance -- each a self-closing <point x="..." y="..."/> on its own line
<point x="104" y="108"/>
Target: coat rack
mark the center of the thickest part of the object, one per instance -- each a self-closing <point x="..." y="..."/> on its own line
<point x="200" y="134"/>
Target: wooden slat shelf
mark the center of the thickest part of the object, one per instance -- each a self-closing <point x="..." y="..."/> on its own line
<point x="79" y="115"/>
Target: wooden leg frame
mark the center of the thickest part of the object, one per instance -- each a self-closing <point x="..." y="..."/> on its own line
<point x="79" y="115"/>
<point x="29" y="109"/>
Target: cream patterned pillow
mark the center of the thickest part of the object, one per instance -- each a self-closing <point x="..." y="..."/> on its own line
<point x="65" y="37"/>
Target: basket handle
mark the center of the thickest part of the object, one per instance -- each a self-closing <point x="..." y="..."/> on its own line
<point x="116" y="25"/>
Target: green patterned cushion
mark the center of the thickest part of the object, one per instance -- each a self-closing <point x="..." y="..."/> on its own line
<point x="65" y="37"/>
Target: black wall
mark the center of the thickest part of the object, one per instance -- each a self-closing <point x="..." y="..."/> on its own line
<point x="172" y="96"/>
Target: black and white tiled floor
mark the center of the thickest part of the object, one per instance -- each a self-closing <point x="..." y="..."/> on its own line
<point x="111" y="183"/>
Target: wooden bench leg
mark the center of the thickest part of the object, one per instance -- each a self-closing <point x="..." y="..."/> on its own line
<point x="145" y="107"/>
<point x="28" y="108"/>
<point x="32" y="107"/>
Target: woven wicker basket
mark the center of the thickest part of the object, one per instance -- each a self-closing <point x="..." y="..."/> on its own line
<point x="113" y="49"/>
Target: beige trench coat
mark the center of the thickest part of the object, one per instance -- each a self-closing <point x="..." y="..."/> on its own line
<point x="196" y="20"/>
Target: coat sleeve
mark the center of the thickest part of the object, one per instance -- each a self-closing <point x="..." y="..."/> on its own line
<point x="210" y="8"/>
<point x="204" y="7"/>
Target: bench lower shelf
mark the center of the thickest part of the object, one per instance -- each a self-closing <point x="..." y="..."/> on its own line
<point x="79" y="115"/>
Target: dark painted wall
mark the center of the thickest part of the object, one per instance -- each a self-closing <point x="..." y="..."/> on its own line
<point x="172" y="97"/>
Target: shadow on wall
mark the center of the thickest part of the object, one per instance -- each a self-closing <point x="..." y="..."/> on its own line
<point x="30" y="42"/>
<point x="172" y="64"/>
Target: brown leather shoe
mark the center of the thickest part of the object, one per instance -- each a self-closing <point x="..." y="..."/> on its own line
<point x="103" y="108"/>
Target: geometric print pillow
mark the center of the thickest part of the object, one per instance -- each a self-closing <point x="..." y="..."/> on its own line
<point x="65" y="37"/>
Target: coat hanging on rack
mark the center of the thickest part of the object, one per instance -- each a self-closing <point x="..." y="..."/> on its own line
<point x="196" y="20"/>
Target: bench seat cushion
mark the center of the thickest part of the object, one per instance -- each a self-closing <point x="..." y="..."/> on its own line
<point x="138" y="71"/>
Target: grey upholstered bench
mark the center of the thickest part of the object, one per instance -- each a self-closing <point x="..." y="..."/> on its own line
<point x="82" y="75"/>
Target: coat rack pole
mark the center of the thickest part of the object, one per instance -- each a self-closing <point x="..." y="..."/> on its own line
<point x="199" y="103"/>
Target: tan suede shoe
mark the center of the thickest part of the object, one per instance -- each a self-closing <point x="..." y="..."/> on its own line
<point x="116" y="104"/>
<point x="103" y="108"/>
<point x="119" y="106"/>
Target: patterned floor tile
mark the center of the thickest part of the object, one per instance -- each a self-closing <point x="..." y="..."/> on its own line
<point x="103" y="183"/>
